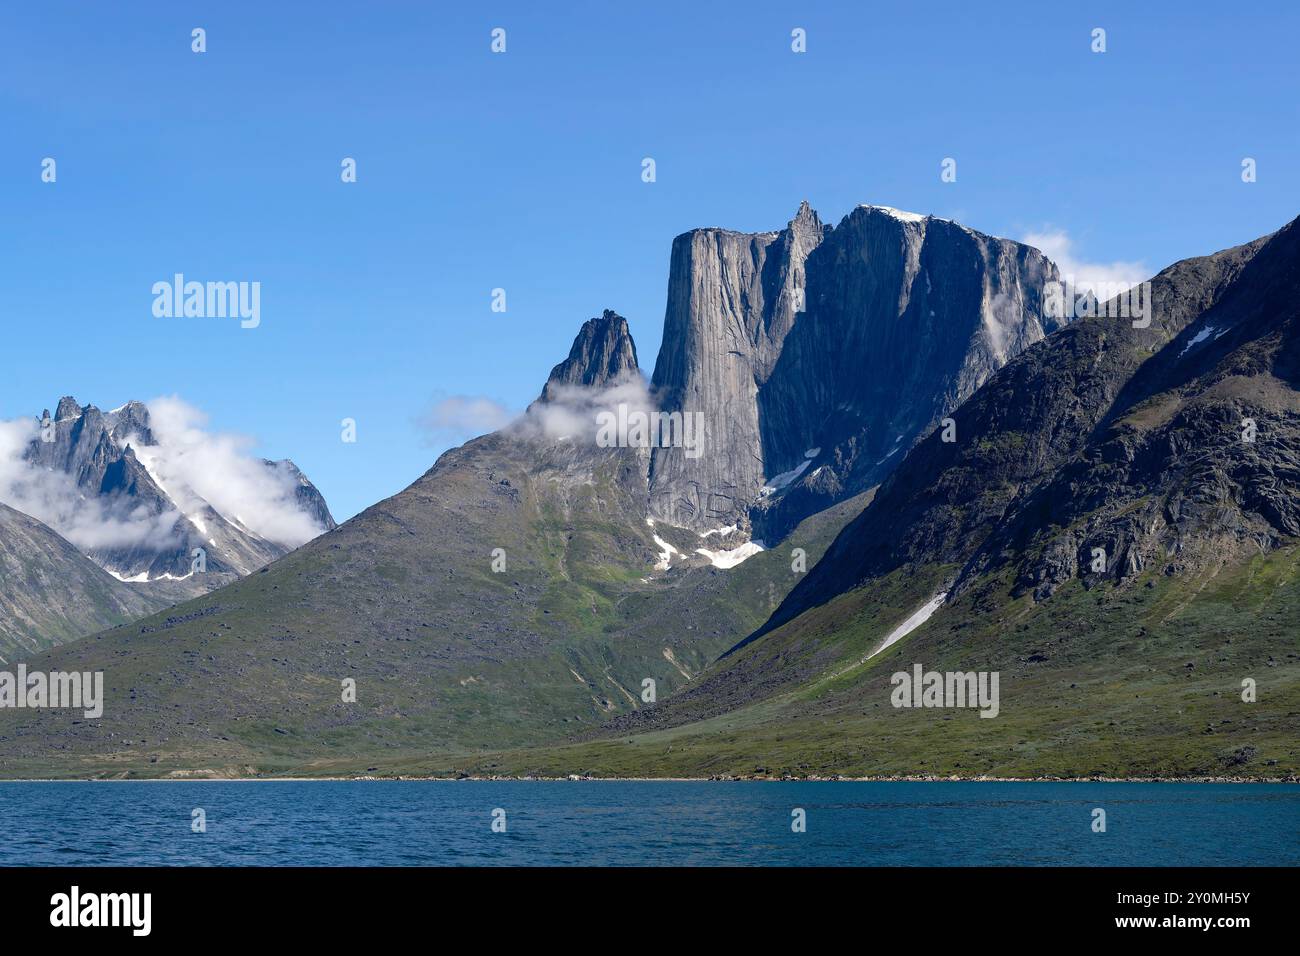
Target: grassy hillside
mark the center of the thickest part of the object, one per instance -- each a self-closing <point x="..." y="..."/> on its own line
<point x="1111" y="545"/>
<point x="1117" y="680"/>
<point x="50" y="593"/>
<point x="447" y="654"/>
<point x="1143" y="679"/>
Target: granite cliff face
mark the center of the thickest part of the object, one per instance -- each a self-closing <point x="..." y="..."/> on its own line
<point x="732" y="299"/>
<point x="1114" y="527"/>
<point x="818" y="355"/>
<point x="1109" y="450"/>
<point x="603" y="355"/>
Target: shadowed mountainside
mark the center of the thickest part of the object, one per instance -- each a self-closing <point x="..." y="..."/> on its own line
<point x="51" y="593"/>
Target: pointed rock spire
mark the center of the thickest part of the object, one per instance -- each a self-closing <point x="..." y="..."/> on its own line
<point x="806" y="219"/>
<point x="603" y="355"/>
<point x="68" y="408"/>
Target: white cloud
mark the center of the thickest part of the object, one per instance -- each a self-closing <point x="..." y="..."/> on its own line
<point x="465" y="416"/>
<point x="1057" y="245"/>
<point x="196" y="466"/>
<point x="53" y="498"/>
<point x="193" y="467"/>
<point x="571" y="413"/>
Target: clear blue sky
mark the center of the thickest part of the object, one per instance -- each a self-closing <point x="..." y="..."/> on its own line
<point x="522" y="171"/>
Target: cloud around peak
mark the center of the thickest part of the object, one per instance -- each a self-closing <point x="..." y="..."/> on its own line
<point x="1118" y="275"/>
<point x="459" y="417"/>
<point x="192" y="466"/>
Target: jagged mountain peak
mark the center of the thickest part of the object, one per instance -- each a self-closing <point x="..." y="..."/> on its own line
<point x="603" y="355"/>
<point x="309" y="499"/>
<point x="67" y="409"/>
<point x="113" y="494"/>
<point x="806" y="216"/>
<point x="131" y="419"/>
<point x="848" y="339"/>
<point x="801" y="234"/>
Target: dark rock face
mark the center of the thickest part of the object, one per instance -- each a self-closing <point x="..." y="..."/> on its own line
<point x="506" y="591"/>
<point x="602" y="355"/>
<point x="309" y="498"/>
<point x="1173" y="477"/>
<point x="68" y="408"/>
<point x="817" y="355"/>
<point x="1109" y="449"/>
<point x="93" y="448"/>
<point x="732" y="299"/>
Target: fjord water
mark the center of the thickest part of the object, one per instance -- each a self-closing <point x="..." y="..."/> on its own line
<point x="413" y="823"/>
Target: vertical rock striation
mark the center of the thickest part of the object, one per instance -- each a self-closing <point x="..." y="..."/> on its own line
<point x="602" y="355"/>
<point x="819" y="355"/>
<point x="732" y="300"/>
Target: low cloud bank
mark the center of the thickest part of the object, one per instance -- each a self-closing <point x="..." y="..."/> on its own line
<point x="571" y="414"/>
<point x="1100" y="277"/>
<point x="194" y="466"/>
<point x="191" y="465"/>
<point x="574" y="411"/>
<point x="460" y="417"/>
<point x="53" y="498"/>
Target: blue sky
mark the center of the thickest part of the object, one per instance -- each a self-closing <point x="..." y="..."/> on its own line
<point x="523" y="171"/>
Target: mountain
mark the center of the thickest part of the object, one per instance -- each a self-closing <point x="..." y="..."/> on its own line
<point x="818" y="355"/>
<point x="306" y="496"/>
<point x="507" y="612"/>
<point x="51" y="593"/>
<point x="603" y="356"/>
<point x="509" y="595"/>
<point x="1108" y="531"/>
<point x="97" y="478"/>
<point x="1114" y="437"/>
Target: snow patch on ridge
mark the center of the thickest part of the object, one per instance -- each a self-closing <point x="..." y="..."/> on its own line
<point x="729" y="559"/>
<point x="665" y="555"/>
<point x="783" y="479"/>
<point x="143" y="577"/>
<point x="896" y="213"/>
<point x="897" y="634"/>
<point x="1200" y="337"/>
<point x="729" y="529"/>
<point x="912" y="623"/>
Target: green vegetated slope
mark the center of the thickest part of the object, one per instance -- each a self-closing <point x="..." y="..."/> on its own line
<point x="447" y="654"/>
<point x="51" y="593"/>
<point x="1116" y="544"/>
<point x="1143" y="679"/>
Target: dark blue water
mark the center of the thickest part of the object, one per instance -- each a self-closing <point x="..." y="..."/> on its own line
<point x="402" y="823"/>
